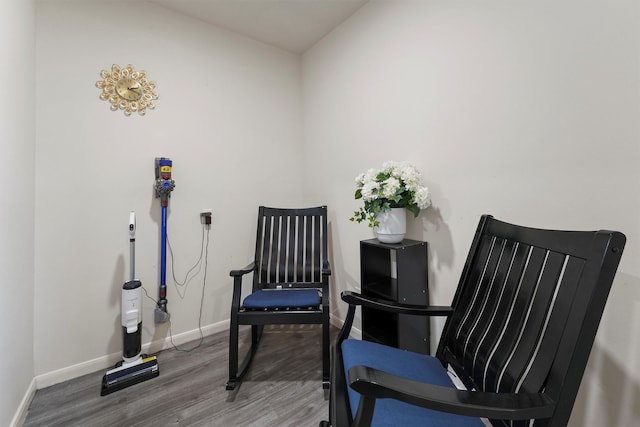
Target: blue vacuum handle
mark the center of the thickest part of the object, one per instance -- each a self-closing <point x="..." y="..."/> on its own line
<point x="163" y="257"/>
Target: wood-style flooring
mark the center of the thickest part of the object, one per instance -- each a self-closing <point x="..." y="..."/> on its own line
<point x="283" y="388"/>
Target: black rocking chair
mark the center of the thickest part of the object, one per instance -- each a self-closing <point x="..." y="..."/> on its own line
<point x="290" y="282"/>
<point x="517" y="336"/>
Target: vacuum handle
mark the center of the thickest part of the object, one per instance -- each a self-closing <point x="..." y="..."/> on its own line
<point x="132" y="244"/>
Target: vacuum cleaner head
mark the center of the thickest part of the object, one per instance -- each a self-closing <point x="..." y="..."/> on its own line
<point x="129" y="374"/>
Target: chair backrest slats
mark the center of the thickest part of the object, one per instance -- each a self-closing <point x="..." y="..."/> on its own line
<point x="533" y="322"/>
<point x="291" y="247"/>
<point x="525" y="304"/>
<point x="509" y="281"/>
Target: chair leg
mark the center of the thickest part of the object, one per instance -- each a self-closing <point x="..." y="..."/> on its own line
<point x="326" y="370"/>
<point x="233" y="353"/>
<point x="256" y="334"/>
<point x="237" y="373"/>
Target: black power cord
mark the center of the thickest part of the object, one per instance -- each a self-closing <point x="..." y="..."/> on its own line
<point x="202" y="261"/>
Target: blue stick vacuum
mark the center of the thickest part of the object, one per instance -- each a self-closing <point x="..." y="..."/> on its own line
<point x="164" y="186"/>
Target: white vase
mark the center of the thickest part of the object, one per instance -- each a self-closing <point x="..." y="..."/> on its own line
<point x="393" y="225"/>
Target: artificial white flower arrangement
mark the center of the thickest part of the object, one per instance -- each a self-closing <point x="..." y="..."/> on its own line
<point x="396" y="185"/>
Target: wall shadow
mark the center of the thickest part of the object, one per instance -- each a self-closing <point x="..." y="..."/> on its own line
<point x="117" y="280"/>
<point x="611" y="383"/>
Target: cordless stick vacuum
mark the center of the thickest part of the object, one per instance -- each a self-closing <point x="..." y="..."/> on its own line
<point x="164" y="185"/>
<point x="134" y="367"/>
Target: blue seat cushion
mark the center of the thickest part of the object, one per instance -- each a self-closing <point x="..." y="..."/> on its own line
<point x="282" y="298"/>
<point x="414" y="366"/>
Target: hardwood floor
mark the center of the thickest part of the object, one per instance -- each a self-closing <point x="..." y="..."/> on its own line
<point x="283" y="388"/>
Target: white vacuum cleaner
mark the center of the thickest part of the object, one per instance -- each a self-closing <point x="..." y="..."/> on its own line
<point x="134" y="367"/>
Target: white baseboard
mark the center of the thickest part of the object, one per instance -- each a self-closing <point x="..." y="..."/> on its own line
<point x="21" y="413"/>
<point x="106" y="362"/>
<point x="355" y="332"/>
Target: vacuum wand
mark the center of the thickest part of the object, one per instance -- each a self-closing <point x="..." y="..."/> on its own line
<point x="132" y="244"/>
<point x="164" y="185"/>
<point x="163" y="259"/>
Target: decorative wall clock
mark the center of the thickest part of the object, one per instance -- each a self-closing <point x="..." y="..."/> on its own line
<point x="127" y="89"/>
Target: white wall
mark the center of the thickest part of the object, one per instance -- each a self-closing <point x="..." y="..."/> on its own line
<point x="525" y="110"/>
<point x="228" y="115"/>
<point x="17" y="141"/>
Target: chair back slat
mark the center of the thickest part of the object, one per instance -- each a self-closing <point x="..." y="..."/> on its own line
<point x="292" y="268"/>
<point x="526" y="307"/>
<point x="291" y="247"/>
<point x="297" y="261"/>
<point x="307" y="261"/>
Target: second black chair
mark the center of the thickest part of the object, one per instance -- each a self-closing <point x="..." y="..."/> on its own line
<point x="290" y="282"/>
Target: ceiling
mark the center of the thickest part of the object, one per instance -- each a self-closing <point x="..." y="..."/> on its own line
<point x="293" y="25"/>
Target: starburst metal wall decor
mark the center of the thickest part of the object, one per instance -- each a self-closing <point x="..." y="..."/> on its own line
<point x="127" y="89"/>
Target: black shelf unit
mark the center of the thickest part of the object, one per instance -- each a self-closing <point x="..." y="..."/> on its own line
<point x="396" y="272"/>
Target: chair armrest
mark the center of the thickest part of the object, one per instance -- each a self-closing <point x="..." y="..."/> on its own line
<point x="353" y="298"/>
<point x="248" y="269"/>
<point x="374" y="383"/>
<point x="326" y="268"/>
<point x="237" y="285"/>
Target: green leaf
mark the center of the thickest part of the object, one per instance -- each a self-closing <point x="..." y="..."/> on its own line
<point x="382" y="177"/>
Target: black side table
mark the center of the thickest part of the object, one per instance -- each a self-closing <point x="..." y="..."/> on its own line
<point x="396" y="272"/>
